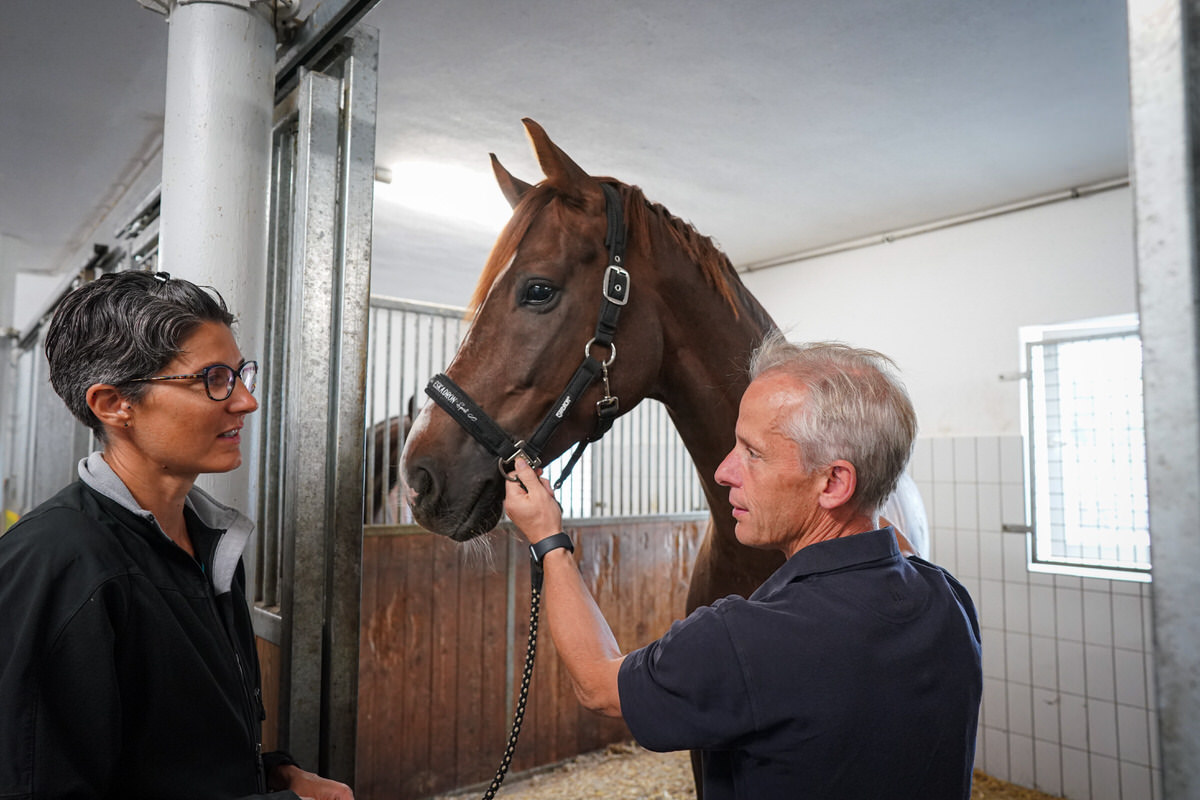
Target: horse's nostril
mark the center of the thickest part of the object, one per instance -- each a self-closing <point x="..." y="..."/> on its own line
<point x="422" y="485"/>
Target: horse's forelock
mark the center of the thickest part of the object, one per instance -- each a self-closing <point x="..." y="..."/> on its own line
<point x="510" y="238"/>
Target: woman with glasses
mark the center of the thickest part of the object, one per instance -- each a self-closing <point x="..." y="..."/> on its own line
<point x="128" y="666"/>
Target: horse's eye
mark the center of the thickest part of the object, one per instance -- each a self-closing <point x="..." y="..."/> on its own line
<point x="537" y="293"/>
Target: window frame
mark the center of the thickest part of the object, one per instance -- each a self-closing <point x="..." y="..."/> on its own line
<point x="1040" y="336"/>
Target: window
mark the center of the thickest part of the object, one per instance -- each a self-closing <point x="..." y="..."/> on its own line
<point x="1087" y="452"/>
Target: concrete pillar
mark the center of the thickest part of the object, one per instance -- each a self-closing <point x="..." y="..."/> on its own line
<point x="216" y="170"/>
<point x="1164" y="66"/>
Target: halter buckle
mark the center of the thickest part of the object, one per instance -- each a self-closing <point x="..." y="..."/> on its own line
<point x="616" y="285"/>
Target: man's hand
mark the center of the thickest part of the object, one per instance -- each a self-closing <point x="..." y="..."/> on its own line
<point x="584" y="640"/>
<point x="530" y="504"/>
<point x="308" y="785"/>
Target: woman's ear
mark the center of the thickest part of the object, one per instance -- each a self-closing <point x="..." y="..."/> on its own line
<point x="109" y="405"/>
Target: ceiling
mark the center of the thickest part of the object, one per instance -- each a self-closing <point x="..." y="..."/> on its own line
<point x="774" y="127"/>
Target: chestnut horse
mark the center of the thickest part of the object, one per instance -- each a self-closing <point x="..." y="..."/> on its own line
<point x="685" y="335"/>
<point x="684" y="338"/>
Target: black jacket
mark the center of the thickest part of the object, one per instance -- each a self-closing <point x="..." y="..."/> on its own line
<point x="124" y="672"/>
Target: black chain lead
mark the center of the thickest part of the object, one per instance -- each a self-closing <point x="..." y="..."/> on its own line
<point x="535" y="602"/>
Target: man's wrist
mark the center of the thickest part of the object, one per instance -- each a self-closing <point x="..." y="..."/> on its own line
<point x="540" y="549"/>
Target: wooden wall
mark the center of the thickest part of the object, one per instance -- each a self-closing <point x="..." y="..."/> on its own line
<point x="269" y="659"/>
<point x="443" y="631"/>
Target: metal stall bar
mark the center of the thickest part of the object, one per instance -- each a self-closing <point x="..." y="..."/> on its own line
<point x="1164" y="63"/>
<point x="269" y="534"/>
<point x="322" y="440"/>
<point x="356" y="193"/>
<point x="306" y="516"/>
<point x="410" y="341"/>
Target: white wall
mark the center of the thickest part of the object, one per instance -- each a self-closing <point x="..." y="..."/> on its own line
<point x="1068" y="663"/>
<point x="31" y="295"/>
<point x="946" y="305"/>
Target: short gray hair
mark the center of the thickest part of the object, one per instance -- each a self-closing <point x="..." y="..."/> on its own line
<point x="856" y="409"/>
<point x="120" y="327"/>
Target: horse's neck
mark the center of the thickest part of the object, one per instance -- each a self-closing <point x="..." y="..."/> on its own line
<point x="702" y="386"/>
<point x="707" y="345"/>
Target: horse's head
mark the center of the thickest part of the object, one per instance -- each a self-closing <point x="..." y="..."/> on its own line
<point x="536" y="310"/>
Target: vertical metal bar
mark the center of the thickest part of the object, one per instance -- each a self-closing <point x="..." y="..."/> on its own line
<point x="611" y="454"/>
<point x="1031" y="449"/>
<point x="344" y="576"/>
<point x="35" y="379"/>
<point x="388" y="446"/>
<point x="273" y="475"/>
<point x="1164" y="77"/>
<point x="627" y="469"/>
<point x="371" y="420"/>
<point x="664" y="441"/>
<point x="307" y="423"/>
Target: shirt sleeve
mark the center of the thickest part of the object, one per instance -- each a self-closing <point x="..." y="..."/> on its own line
<point x="688" y="689"/>
<point x="60" y="734"/>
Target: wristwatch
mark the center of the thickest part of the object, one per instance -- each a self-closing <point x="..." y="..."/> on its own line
<point x="538" y="551"/>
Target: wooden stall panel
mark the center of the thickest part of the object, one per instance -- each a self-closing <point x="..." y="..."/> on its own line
<point x="437" y="645"/>
<point x="269" y="660"/>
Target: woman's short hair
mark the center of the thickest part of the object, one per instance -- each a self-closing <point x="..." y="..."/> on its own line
<point x="855" y="408"/>
<point x="123" y="326"/>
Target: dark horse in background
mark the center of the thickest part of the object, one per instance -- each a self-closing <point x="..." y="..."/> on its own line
<point x="385" y="440"/>
<point x="684" y="338"/>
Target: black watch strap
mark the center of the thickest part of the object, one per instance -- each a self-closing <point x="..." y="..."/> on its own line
<point x="538" y="551"/>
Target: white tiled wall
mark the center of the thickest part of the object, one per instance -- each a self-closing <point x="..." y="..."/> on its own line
<point x="1067" y="662"/>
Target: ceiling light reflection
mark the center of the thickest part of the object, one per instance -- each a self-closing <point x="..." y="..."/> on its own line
<point x="446" y="190"/>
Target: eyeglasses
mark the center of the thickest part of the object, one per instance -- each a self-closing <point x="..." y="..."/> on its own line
<point x="218" y="378"/>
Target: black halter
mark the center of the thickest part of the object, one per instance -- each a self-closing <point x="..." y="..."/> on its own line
<point x="615" y="294"/>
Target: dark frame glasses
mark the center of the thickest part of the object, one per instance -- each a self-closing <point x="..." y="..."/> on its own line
<point x="219" y="379"/>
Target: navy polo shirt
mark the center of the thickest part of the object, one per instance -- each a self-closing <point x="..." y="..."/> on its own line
<point x="852" y="672"/>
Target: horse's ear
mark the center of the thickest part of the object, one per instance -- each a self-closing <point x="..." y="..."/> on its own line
<point x="561" y="172"/>
<point x="514" y="188"/>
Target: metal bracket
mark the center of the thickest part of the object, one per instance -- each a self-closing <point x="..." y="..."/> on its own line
<point x="284" y="12"/>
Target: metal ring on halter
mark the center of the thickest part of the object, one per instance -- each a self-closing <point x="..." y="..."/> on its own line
<point x="612" y="355"/>
<point x="502" y="462"/>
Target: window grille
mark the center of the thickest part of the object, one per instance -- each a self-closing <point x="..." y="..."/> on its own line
<point x="1087" y="453"/>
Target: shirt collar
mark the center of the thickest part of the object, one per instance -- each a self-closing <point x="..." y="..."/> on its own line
<point x="234" y="527"/>
<point x="846" y="552"/>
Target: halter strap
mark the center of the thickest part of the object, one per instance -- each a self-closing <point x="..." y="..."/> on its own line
<point x="616" y="279"/>
<point x="475" y="421"/>
<point x="467" y="413"/>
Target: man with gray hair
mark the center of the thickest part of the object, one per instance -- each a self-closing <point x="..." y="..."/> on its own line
<point x="853" y="671"/>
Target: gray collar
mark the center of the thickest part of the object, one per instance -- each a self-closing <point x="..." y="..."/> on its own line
<point x="236" y="526"/>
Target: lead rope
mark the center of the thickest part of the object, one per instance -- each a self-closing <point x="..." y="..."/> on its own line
<point x="535" y="601"/>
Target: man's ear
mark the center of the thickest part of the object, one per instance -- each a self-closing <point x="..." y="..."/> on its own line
<point x="840" y="482"/>
<point x="109" y="406"/>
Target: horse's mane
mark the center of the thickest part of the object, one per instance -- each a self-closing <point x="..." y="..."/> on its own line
<point x="640" y="215"/>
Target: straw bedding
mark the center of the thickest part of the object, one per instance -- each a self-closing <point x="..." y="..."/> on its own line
<point x="628" y="772"/>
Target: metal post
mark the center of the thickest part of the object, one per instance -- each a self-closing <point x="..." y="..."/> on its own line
<point x="216" y="170"/>
<point x="1165" y="80"/>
